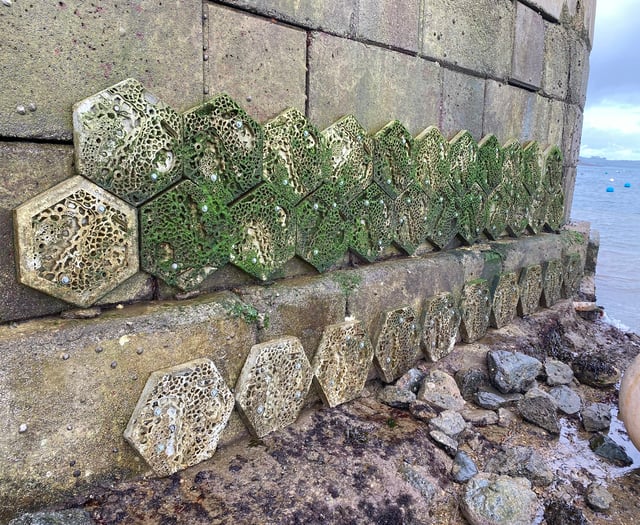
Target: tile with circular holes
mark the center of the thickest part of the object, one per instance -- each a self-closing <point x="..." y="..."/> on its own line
<point x="572" y="275"/>
<point x="394" y="169"/>
<point x="411" y="211"/>
<point x="505" y="294"/>
<point x="76" y="241"/>
<point x="397" y="346"/>
<point x="475" y="307"/>
<point x="273" y="384"/>
<point x="128" y="141"/>
<point x="342" y="362"/>
<point x="552" y="283"/>
<point x="440" y="325"/>
<point x="180" y="416"/>
<point x="530" y="289"/>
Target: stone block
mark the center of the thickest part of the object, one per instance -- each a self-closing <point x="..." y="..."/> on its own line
<point x="528" y="47"/>
<point x="333" y="17"/>
<point x="556" y="124"/>
<point x="528" y="251"/>
<point x="505" y="109"/>
<point x="74" y="49"/>
<point x="462" y="95"/>
<point x="555" y="76"/>
<point x="246" y="61"/>
<point x="390" y="22"/>
<point x="536" y="120"/>
<point x="571" y="134"/>
<point x="75" y="384"/>
<point x="552" y="8"/>
<point x="26" y="170"/>
<point x="473" y="35"/>
<point x="376" y="85"/>
<point x="568" y="183"/>
<point x="578" y="70"/>
<point x="589" y="7"/>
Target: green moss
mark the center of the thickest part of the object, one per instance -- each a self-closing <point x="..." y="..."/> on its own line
<point x="348" y="281"/>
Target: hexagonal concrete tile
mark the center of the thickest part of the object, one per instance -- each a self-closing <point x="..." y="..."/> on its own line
<point x="530" y="289"/>
<point x="504" y="304"/>
<point x="397" y="346"/>
<point x="475" y="307"/>
<point x="394" y="169"/>
<point x="552" y="282"/>
<point x="440" y="325"/>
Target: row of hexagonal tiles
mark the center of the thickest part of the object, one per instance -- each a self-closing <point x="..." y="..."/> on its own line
<point x="256" y="196"/>
<point x="183" y="410"/>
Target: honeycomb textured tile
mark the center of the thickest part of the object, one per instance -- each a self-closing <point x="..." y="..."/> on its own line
<point x="267" y="232"/>
<point x="222" y="148"/>
<point x="504" y="303"/>
<point x="273" y="384"/>
<point x="397" y="346"/>
<point x="552" y="185"/>
<point x="373" y="223"/>
<point x="531" y="166"/>
<point x="128" y="141"/>
<point x="76" y="242"/>
<point x="552" y="283"/>
<point x="475" y="307"/>
<point x="180" y="416"/>
<point x="186" y="234"/>
<point x="296" y="158"/>
<point x="411" y="211"/>
<point x="322" y="235"/>
<point x="394" y="169"/>
<point x="342" y="362"/>
<point x="440" y="325"/>
<point x="572" y="275"/>
<point x="351" y="151"/>
<point x="530" y="289"/>
<point x="518" y="197"/>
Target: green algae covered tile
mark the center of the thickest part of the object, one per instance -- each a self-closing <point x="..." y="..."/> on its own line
<point x="394" y="168"/>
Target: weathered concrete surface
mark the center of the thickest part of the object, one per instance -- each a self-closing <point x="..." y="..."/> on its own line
<point x="528" y="47"/>
<point x="374" y="84"/>
<point x="556" y="122"/>
<point x="516" y="254"/>
<point x="556" y="60"/>
<point x="462" y="95"/>
<point x="571" y="135"/>
<point x="258" y="62"/>
<point x="74" y="384"/>
<point x="391" y="22"/>
<point x="578" y="71"/>
<point x="505" y="109"/>
<point x="74" y="49"/>
<point x="552" y="8"/>
<point x="474" y="35"/>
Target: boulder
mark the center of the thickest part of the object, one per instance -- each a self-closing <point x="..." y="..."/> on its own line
<point x="568" y="400"/>
<point x="440" y="390"/>
<point x="494" y="400"/>
<point x="411" y="380"/>
<point x="446" y="443"/>
<point x="593" y="371"/>
<point x="512" y="371"/>
<point x="479" y="417"/>
<point x="558" y="512"/>
<point x="448" y="422"/>
<point x="523" y="462"/>
<point x="470" y="380"/>
<point x="558" y="373"/>
<point x="596" y="416"/>
<point x="608" y="449"/>
<point x="540" y="408"/>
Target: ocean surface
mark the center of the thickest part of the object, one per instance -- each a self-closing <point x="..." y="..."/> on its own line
<point x="616" y="215"/>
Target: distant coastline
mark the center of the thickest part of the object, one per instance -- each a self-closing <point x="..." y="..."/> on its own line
<point x="602" y="161"/>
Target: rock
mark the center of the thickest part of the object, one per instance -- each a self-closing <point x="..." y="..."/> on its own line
<point x="596" y="416"/>
<point x="423" y="411"/>
<point x="558" y="373"/>
<point x="506" y="418"/>
<point x="396" y="397"/>
<point x="411" y="380"/>
<point x="499" y="500"/>
<point x="521" y="462"/>
<point x="419" y="478"/>
<point x="479" y="417"/>
<point x="512" y="371"/>
<point x="440" y="390"/>
<point x="463" y="468"/>
<point x="598" y="497"/>
<point x="448" y="444"/>
<point x="593" y="371"/>
<point x="568" y="400"/>
<point x="493" y="400"/>
<point x="607" y="448"/>
<point x="448" y="422"/>
<point x="558" y="512"/>
<point x="469" y="381"/>
<point x="540" y="408"/>
<point x="56" y="517"/>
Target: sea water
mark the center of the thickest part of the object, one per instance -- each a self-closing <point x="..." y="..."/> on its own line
<point x="607" y="194"/>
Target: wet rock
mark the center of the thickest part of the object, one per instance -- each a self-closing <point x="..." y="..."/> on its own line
<point x="446" y="443"/>
<point x="540" y="408"/>
<point x="596" y="416"/>
<point x="593" y="371"/>
<point x="411" y="380"/>
<point x="608" y="449"/>
<point x="512" y="371"/>
<point x="469" y="381"/>
<point x="396" y="397"/>
<point x="418" y="477"/>
<point x="440" y="390"/>
<point x="506" y="418"/>
<point x="499" y="500"/>
<point x="598" y="497"/>
<point x="521" y="462"/>
<point x="558" y="373"/>
<point x="463" y="468"/>
<point x="479" y="417"/>
<point x="81" y="313"/>
<point x="57" y="517"/>
<point x="494" y="400"/>
<point x="568" y="400"/>
<point x="558" y="512"/>
<point x="448" y="422"/>
<point x="422" y="410"/>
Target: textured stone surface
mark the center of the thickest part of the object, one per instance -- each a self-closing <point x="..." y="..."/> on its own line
<point x="463" y="467"/>
<point x="396" y="397"/>
<point x="541" y="409"/>
<point x="596" y="416"/>
<point x="520" y="461"/>
<point x="505" y="295"/>
<point x="507" y="110"/>
<point x="558" y="373"/>
<point x="608" y="449"/>
<point x="449" y="422"/>
<point x="462" y="95"/>
<point x="470" y="380"/>
<point x="475" y="35"/>
<point x="568" y="400"/>
<point x="598" y="497"/>
<point x="552" y="283"/>
<point x="440" y="391"/>
<point x="555" y="77"/>
<point x="74" y="49"/>
<point x="552" y="8"/>
<point x="376" y="85"/>
<point x="571" y="135"/>
<point x="246" y="57"/>
<point x="528" y="48"/>
<point x="390" y="22"/>
<point x="578" y="71"/>
<point x="530" y="289"/>
<point x="512" y="371"/>
<point x="55" y="517"/>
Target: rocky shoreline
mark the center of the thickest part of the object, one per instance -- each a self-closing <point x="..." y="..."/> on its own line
<point x="517" y="428"/>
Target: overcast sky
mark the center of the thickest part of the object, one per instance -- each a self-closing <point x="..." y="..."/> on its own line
<point x="611" y="125"/>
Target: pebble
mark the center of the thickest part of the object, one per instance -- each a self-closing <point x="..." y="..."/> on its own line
<point x="448" y="422"/>
<point x="448" y="444"/>
<point x="479" y="417"/>
<point x="512" y="371"/>
<point x="608" y="449"/>
<point x="411" y="380"/>
<point x="568" y="400"/>
<point x="598" y="497"/>
<point x="114" y="364"/>
<point x="558" y="512"/>
<point x="506" y="417"/>
<point x="558" y="373"/>
<point x="441" y="391"/>
<point x="493" y="400"/>
<point x="463" y="468"/>
<point x="396" y="397"/>
<point x="540" y="408"/>
<point x="64" y="356"/>
<point x="23" y="428"/>
<point x="596" y="416"/>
